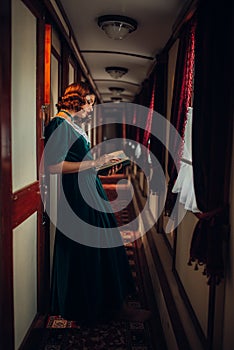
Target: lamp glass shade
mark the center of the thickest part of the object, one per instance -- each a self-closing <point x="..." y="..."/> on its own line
<point x="116" y="72"/>
<point x="117" y="27"/>
<point x="116" y="31"/>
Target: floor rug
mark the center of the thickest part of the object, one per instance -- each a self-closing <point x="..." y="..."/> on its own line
<point x="65" y="334"/>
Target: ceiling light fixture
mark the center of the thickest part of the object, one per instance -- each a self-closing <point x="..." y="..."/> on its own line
<point x="116" y="90"/>
<point x="116" y="72"/>
<point x="117" y="27"/>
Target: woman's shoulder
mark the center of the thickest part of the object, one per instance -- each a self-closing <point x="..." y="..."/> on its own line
<point x="53" y="124"/>
<point x="56" y="121"/>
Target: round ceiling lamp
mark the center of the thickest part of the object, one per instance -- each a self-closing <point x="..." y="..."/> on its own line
<point x="116" y="72"/>
<point x="117" y="27"/>
<point x="116" y="90"/>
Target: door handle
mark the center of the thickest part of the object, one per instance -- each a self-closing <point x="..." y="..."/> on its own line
<point x="43" y="187"/>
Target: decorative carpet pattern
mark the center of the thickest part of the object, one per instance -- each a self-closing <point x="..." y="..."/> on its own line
<point x="63" y="334"/>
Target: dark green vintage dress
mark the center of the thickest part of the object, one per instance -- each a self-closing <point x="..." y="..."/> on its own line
<point x="89" y="283"/>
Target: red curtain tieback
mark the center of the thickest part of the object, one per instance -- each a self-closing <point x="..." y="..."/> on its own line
<point x="206" y="245"/>
<point x="210" y="215"/>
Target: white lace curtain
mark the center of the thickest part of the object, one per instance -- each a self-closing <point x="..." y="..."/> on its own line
<point x="184" y="182"/>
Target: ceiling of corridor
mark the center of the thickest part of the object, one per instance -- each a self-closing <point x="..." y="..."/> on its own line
<point x="156" y="22"/>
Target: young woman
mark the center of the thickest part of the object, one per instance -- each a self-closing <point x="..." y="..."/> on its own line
<point x="90" y="282"/>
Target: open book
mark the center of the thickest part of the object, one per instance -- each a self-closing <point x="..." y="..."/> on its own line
<point x="119" y="157"/>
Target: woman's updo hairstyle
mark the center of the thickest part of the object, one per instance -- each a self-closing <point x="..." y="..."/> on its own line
<point x="74" y="97"/>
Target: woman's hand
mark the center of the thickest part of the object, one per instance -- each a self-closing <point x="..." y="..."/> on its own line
<point x="106" y="158"/>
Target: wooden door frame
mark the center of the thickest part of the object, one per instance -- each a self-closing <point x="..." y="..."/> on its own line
<point x="6" y="266"/>
<point x="28" y="198"/>
<point x="43" y="247"/>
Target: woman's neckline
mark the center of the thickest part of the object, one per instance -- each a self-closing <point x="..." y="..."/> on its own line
<point x="67" y="113"/>
<point x="75" y="126"/>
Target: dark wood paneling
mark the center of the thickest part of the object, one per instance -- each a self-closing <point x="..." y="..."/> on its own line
<point x="24" y="203"/>
<point x="43" y="236"/>
<point x="36" y="6"/>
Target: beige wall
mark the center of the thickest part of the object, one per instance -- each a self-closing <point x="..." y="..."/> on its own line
<point x="25" y="276"/>
<point x="24" y="155"/>
<point x="194" y="283"/>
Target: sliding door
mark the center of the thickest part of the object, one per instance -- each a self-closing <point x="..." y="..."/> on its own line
<point x="23" y="238"/>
